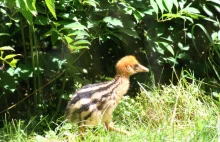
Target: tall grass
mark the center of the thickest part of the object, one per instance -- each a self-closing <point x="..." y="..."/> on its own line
<point x="181" y="112"/>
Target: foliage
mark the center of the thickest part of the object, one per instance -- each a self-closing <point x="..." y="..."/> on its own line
<point x="181" y="112"/>
<point x="13" y="62"/>
<point x="68" y="43"/>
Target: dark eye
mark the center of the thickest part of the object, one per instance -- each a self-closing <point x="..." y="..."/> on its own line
<point x="136" y="67"/>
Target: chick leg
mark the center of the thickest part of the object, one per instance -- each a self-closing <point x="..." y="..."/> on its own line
<point x="81" y="132"/>
<point x="111" y="128"/>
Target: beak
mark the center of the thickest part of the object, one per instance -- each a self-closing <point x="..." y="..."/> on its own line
<point x="143" y="68"/>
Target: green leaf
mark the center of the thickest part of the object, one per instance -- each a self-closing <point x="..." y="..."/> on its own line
<point x="90" y="3"/>
<point x="79" y="33"/>
<point x="79" y="42"/>
<point x="72" y="47"/>
<point x="6" y="48"/>
<point x="113" y="21"/>
<point x="75" y="26"/>
<point x="13" y="63"/>
<point x="41" y="20"/>
<point x="169" y="4"/>
<point x="184" y="56"/>
<point x="25" y="11"/>
<point x="207" y="11"/>
<point x="159" y="49"/>
<point x="191" y="10"/>
<point x="54" y="37"/>
<point x="167" y="46"/>
<point x="51" y="6"/>
<point x="176" y="4"/>
<point x="30" y="4"/>
<point x="215" y="1"/>
<point x="68" y="39"/>
<point x="208" y="36"/>
<point x="172" y="60"/>
<point x="180" y="45"/>
<point x="10" y="56"/>
<point x="2" y="34"/>
<point x="130" y="32"/>
<point x="154" y="5"/>
<point x="160" y="4"/>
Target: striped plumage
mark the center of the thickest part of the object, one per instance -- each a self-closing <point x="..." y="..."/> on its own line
<point x="94" y="103"/>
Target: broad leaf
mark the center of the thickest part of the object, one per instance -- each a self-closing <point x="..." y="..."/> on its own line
<point x="154" y="5"/>
<point x="160" y="4"/>
<point x="130" y="32"/>
<point x="169" y="4"/>
<point x="10" y="56"/>
<point x="113" y="21"/>
<point x="79" y="42"/>
<point x="25" y="11"/>
<point x="13" y="63"/>
<point x="41" y="20"/>
<point x="6" y="48"/>
<point x="51" y="6"/>
<point x="30" y="4"/>
<point x="74" y="26"/>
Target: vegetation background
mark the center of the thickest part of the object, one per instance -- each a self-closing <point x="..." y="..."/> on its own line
<point x="49" y="48"/>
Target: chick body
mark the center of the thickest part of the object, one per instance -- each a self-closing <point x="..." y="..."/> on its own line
<point x="95" y="103"/>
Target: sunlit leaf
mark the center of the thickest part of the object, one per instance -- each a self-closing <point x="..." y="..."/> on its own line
<point x="185" y="48"/>
<point x="214" y="1"/>
<point x="79" y="33"/>
<point x="75" y="26"/>
<point x="79" y="42"/>
<point x="130" y="32"/>
<point x="184" y="56"/>
<point x="90" y="3"/>
<point x="41" y="20"/>
<point x="51" y="6"/>
<point x="191" y="10"/>
<point x="169" y="4"/>
<point x="113" y="21"/>
<point x="7" y="48"/>
<point x="172" y="60"/>
<point x="176" y="3"/>
<point x="10" y="56"/>
<point x="72" y="47"/>
<point x="167" y="46"/>
<point x="160" y="4"/>
<point x="68" y="39"/>
<point x="2" y="34"/>
<point x="207" y="11"/>
<point x="30" y="4"/>
<point x="25" y="11"/>
<point x="13" y="63"/>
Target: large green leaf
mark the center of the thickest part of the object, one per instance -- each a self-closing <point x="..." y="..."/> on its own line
<point x="113" y="21"/>
<point x="168" y="4"/>
<point x="41" y="20"/>
<point x="6" y="48"/>
<point x="80" y="42"/>
<point x="30" y="5"/>
<point x="167" y="46"/>
<point x="130" y="32"/>
<point x="74" y="26"/>
<point x="10" y="56"/>
<point x="160" y="5"/>
<point x="51" y="6"/>
<point x="22" y="7"/>
<point x="154" y="5"/>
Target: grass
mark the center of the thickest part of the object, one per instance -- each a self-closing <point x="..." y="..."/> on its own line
<point x="178" y="113"/>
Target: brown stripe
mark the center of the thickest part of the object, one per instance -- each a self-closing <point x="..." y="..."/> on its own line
<point x="79" y="95"/>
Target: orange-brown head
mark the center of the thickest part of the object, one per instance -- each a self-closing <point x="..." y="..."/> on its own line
<point x="128" y="66"/>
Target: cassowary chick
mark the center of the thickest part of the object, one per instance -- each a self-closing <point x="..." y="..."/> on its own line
<point x="94" y="103"/>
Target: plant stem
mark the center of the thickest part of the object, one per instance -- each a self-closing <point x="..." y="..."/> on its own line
<point x="33" y="66"/>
